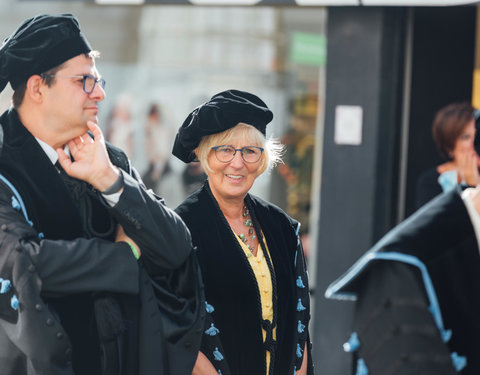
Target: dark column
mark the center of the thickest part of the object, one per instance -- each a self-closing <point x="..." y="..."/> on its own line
<point x="364" y="68"/>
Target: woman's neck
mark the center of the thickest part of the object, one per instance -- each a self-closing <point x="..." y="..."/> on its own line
<point x="239" y="220"/>
<point x="232" y="208"/>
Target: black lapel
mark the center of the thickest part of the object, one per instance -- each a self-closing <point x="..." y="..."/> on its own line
<point x="47" y="199"/>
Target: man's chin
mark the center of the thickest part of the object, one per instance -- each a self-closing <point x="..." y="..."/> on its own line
<point x="91" y="118"/>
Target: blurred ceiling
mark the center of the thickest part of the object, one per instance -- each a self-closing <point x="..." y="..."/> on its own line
<point x="281" y="2"/>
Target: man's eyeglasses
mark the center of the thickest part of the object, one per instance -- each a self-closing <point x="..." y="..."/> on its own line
<point x="250" y="154"/>
<point x="89" y="81"/>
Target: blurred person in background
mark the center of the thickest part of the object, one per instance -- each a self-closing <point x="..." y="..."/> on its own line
<point x="119" y="129"/>
<point x="97" y="275"/>
<point x="250" y="253"/>
<point x="158" y="138"/>
<point x="193" y="177"/>
<point x="454" y="134"/>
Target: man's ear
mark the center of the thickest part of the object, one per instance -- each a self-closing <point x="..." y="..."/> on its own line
<point x="35" y="88"/>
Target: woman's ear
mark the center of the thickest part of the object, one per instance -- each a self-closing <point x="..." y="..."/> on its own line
<point x="195" y="152"/>
<point x="263" y="165"/>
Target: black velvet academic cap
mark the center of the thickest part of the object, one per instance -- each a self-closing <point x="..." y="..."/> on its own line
<point x="39" y="44"/>
<point x="223" y="111"/>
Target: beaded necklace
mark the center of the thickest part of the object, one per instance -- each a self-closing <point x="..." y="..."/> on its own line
<point x="251" y="233"/>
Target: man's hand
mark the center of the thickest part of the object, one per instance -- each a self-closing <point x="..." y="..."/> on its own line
<point x="91" y="162"/>
<point x="122" y="236"/>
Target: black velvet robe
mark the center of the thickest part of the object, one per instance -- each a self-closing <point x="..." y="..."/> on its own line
<point x="231" y="288"/>
<point x="417" y="295"/>
<point x="427" y="187"/>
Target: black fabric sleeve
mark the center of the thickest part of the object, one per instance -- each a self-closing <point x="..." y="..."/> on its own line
<point x="162" y="236"/>
<point x="396" y="330"/>
<point x="83" y="265"/>
<point x="70" y="266"/>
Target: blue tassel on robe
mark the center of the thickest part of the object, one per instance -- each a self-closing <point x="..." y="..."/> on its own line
<point x="300" y="282"/>
<point x="14" y="302"/>
<point x="459" y="361"/>
<point x="5" y="286"/>
<point x="299" y="351"/>
<point x="300" y="307"/>
<point x="300" y="327"/>
<point x="15" y="204"/>
<point x="361" y="367"/>
<point x="217" y="355"/>
<point x="352" y="344"/>
<point x="209" y="307"/>
<point x="212" y="331"/>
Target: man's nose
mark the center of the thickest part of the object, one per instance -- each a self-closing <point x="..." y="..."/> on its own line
<point x="98" y="93"/>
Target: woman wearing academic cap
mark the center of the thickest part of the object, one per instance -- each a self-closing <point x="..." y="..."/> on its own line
<point x="256" y="286"/>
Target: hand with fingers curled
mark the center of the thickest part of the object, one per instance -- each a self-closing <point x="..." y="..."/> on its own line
<point x="90" y="159"/>
<point x="468" y="162"/>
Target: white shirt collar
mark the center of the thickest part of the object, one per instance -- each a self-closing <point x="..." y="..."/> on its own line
<point x="51" y="153"/>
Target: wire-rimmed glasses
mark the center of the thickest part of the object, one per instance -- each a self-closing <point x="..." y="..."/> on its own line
<point x="250" y="154"/>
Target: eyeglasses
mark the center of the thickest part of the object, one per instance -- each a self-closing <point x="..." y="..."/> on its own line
<point x="89" y="81"/>
<point x="250" y="154"/>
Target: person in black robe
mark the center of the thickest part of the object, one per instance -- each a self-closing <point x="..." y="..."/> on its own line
<point x="417" y="293"/>
<point x="252" y="262"/>
<point x="97" y="275"/>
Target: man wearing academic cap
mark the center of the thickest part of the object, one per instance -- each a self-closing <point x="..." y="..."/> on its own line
<point x="97" y="275"/>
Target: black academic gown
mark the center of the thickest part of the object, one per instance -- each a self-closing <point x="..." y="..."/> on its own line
<point x="78" y="290"/>
<point x="427" y="187"/>
<point x="417" y="295"/>
<point x="232" y="293"/>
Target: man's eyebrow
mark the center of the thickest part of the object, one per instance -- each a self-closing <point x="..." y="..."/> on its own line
<point x="96" y="76"/>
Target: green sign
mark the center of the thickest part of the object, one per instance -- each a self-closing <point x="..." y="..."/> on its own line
<point x="309" y="49"/>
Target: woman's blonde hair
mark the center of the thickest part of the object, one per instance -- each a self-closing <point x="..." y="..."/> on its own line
<point x="273" y="149"/>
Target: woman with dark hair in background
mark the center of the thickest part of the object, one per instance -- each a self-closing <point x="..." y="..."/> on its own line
<point x="251" y="256"/>
<point x="454" y="134"/>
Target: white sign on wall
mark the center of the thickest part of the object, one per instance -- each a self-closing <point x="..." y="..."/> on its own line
<point x="348" y="125"/>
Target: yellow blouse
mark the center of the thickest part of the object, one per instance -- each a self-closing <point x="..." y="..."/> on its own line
<point x="264" y="280"/>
